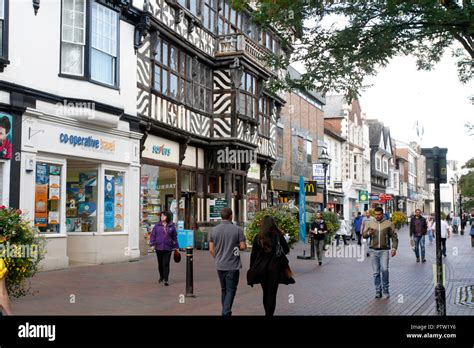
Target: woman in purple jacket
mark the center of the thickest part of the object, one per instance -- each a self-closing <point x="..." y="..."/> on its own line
<point x="164" y="239"/>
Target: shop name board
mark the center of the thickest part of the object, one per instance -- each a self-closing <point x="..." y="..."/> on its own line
<point x="161" y="150"/>
<point x="338" y="184"/>
<point x="310" y="188"/>
<point x="87" y="142"/>
<point x="374" y="197"/>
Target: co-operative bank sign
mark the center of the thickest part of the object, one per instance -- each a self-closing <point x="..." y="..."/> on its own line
<point x="88" y="142"/>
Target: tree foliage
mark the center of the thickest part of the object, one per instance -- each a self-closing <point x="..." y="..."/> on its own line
<point x="342" y="41"/>
<point x="466" y="185"/>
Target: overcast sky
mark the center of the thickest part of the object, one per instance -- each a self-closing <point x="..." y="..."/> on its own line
<point x="401" y="95"/>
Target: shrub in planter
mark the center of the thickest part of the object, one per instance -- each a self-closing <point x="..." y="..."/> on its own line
<point x="21" y="248"/>
<point x="285" y="221"/>
<point x="399" y="219"/>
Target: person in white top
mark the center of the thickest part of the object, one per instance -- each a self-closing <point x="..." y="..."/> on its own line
<point x="342" y="231"/>
<point x="445" y="234"/>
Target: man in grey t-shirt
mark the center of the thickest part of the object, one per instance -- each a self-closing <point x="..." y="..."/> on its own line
<point x="225" y="243"/>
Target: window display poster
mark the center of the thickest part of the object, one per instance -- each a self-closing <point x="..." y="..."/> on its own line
<point x="74" y="225"/>
<point x="53" y="217"/>
<point x="41" y="174"/>
<point x="41" y="205"/>
<point x="6" y="122"/>
<point x="88" y="179"/>
<point x="54" y="170"/>
<point x="54" y="187"/>
<point x="109" y="204"/>
<point x="87" y="208"/>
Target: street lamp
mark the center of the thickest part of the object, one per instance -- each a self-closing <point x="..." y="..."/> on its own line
<point x="325" y="160"/>
<point x="452" y="181"/>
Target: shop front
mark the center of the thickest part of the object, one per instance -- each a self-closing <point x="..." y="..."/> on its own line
<point x="336" y="202"/>
<point x="165" y="185"/>
<point x="6" y="140"/>
<point x="79" y="185"/>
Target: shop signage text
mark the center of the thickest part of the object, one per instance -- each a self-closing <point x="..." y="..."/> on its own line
<point x="161" y="150"/>
<point x="87" y="142"/>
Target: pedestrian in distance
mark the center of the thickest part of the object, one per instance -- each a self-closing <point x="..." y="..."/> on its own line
<point x="418" y="230"/>
<point x="357" y="227"/>
<point x="268" y="264"/>
<point x="343" y="232"/>
<point x="319" y="230"/>
<point x="464" y="219"/>
<point x="456" y="223"/>
<point x="365" y="222"/>
<point x="226" y="241"/>
<point x="5" y="307"/>
<point x="164" y="239"/>
<point x="383" y="241"/>
<point x="446" y="231"/>
<point x="471" y="225"/>
<point x="429" y="223"/>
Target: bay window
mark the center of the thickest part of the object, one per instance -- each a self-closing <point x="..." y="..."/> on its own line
<point x="181" y="77"/>
<point x="248" y="95"/>
<point x="265" y="114"/>
<point x="89" y="41"/>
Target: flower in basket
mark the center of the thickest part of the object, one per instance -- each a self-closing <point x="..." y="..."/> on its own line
<point x="21" y="249"/>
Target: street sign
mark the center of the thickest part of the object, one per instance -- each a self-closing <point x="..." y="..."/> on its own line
<point x="310" y="188"/>
<point x="363" y="196"/>
<point x="318" y="172"/>
<point x="338" y="184"/>
<point x="215" y="207"/>
<point x="185" y="238"/>
<point x="430" y="168"/>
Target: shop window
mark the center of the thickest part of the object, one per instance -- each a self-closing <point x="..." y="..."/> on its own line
<point x="82" y="199"/>
<point x="158" y="193"/>
<point x="113" y="201"/>
<point x="48" y="198"/>
<point x="252" y="200"/>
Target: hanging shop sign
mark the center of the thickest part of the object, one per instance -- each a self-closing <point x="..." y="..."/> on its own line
<point x="363" y="196"/>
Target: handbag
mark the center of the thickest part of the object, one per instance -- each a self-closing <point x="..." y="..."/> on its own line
<point x="177" y="256"/>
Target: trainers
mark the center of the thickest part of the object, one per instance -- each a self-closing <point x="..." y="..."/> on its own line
<point x="378" y="295"/>
<point x="166" y="283"/>
<point x="386" y="295"/>
<point x="368" y="254"/>
<point x="424" y="260"/>
<point x="320" y="263"/>
<point x="417" y="259"/>
<point x="160" y="280"/>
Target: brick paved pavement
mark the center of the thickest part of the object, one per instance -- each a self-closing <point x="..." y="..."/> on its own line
<point x="342" y="286"/>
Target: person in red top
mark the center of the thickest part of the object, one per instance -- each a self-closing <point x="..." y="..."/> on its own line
<point x="5" y="144"/>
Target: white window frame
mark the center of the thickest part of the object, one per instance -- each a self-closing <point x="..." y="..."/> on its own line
<point x="378" y="163"/>
<point x="84" y="32"/>
<point x="385" y="166"/>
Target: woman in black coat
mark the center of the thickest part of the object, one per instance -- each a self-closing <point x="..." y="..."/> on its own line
<point x="268" y="263"/>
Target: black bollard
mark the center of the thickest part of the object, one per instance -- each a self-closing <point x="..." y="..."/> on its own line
<point x="189" y="272"/>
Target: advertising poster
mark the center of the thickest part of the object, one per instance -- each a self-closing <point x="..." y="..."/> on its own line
<point x="88" y="179"/>
<point x="109" y="202"/>
<point x="42" y="174"/>
<point x="54" y="170"/>
<point x="53" y="217"/>
<point x="54" y="187"/>
<point x="41" y="205"/>
<point x="6" y="125"/>
<point x="87" y="208"/>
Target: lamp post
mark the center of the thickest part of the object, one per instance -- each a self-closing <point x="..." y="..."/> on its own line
<point x="452" y="182"/>
<point x="325" y="160"/>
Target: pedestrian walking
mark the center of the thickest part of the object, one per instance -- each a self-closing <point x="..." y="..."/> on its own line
<point x="471" y="224"/>
<point x="343" y="232"/>
<point x="365" y="222"/>
<point x="418" y="230"/>
<point x="463" y="222"/>
<point x="225" y="243"/>
<point x="357" y="227"/>
<point x="164" y="239"/>
<point x="5" y="307"/>
<point x="318" y="232"/>
<point x="429" y="223"/>
<point x="446" y="231"/>
<point x="383" y="240"/>
<point x="456" y="223"/>
<point x="268" y="264"/>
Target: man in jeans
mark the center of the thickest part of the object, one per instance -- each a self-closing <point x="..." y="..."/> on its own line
<point x="318" y="232"/>
<point x="381" y="232"/>
<point x="225" y="243"/>
<point x="418" y="230"/>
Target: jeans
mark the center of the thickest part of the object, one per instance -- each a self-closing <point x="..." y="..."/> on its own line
<point x="319" y="245"/>
<point x="380" y="265"/>
<point x="164" y="258"/>
<point x="270" y="289"/>
<point x="343" y="238"/>
<point x="229" y="282"/>
<point x="359" y="237"/>
<point x="443" y="246"/>
<point x="419" y="245"/>
<point x="430" y="235"/>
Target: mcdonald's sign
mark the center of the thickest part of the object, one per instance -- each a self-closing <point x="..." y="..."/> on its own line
<point x="310" y="188"/>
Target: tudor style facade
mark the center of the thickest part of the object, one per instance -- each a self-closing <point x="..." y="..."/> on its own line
<point x="200" y="88"/>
